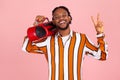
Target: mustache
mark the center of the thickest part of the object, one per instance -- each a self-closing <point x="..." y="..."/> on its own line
<point x="64" y="27"/>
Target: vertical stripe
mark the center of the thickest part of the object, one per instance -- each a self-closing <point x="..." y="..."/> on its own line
<point x="25" y="43"/>
<point x="80" y="51"/>
<point x="52" y="46"/>
<point x="56" y="58"/>
<point x="70" y="58"/>
<point x="103" y="56"/>
<point x="76" y="54"/>
<point x="102" y="44"/>
<point x="66" y="47"/>
<point x="61" y="59"/>
<point x="49" y="58"/>
<point x="102" y="48"/>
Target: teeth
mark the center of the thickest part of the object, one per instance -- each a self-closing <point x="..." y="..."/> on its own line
<point x="61" y="22"/>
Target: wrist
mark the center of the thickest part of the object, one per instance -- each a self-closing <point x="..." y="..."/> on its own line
<point x="100" y="35"/>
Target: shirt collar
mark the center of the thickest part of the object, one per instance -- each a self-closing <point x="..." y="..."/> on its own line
<point x="58" y="34"/>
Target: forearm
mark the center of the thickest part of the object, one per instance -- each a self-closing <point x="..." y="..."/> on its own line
<point x="32" y="47"/>
<point x="102" y="46"/>
<point x="28" y="46"/>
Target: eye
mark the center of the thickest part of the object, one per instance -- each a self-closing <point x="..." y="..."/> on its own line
<point x="64" y="15"/>
<point x="56" y="17"/>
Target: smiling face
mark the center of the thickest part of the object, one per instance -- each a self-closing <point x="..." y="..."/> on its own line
<point x="61" y="19"/>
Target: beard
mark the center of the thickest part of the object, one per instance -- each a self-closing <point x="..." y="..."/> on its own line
<point x="64" y="27"/>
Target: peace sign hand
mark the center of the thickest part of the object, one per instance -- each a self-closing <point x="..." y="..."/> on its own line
<point x="98" y="24"/>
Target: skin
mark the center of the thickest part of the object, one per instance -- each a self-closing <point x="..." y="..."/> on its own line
<point x="61" y="20"/>
<point x="39" y="19"/>
<point x="98" y="24"/>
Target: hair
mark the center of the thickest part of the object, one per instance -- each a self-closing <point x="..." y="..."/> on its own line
<point x="62" y="7"/>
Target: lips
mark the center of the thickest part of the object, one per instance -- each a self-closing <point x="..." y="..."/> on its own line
<point x="62" y="22"/>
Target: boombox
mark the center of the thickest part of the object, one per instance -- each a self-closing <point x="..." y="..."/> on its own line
<point x="41" y="30"/>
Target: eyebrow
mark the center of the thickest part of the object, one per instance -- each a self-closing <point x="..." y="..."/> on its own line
<point x="62" y="13"/>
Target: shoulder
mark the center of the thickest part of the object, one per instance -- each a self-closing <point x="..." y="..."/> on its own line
<point x="78" y="33"/>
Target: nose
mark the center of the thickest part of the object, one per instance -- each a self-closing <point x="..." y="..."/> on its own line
<point x="61" y="17"/>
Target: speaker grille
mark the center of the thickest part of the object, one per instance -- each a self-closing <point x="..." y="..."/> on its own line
<point x="40" y="32"/>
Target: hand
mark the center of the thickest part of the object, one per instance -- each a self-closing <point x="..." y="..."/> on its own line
<point x="39" y="19"/>
<point x="98" y="24"/>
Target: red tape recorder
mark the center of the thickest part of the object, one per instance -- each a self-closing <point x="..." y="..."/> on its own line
<point x="41" y="31"/>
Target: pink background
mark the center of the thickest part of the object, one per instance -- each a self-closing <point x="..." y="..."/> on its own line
<point x="17" y="15"/>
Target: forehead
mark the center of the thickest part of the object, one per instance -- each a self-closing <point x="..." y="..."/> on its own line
<point x="60" y="11"/>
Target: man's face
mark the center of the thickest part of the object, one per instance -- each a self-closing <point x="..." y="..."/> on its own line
<point x="61" y="19"/>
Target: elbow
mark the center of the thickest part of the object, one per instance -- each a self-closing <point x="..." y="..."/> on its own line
<point x="102" y="59"/>
<point x="26" y="49"/>
<point x="103" y="56"/>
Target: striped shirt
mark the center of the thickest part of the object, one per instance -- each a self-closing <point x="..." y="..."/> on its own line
<point x="65" y="60"/>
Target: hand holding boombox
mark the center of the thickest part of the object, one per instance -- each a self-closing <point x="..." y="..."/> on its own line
<point x="41" y="29"/>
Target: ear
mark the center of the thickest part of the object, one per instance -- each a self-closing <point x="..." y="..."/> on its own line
<point x="70" y="18"/>
<point x="53" y="21"/>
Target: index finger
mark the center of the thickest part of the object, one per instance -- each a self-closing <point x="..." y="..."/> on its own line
<point x="92" y="18"/>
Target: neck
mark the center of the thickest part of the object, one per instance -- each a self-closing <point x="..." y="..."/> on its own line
<point x="64" y="32"/>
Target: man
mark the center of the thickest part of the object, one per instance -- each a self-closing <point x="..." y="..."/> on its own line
<point x="65" y="50"/>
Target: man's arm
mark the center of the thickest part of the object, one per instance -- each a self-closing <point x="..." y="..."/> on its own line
<point x="100" y="52"/>
<point x="29" y="46"/>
